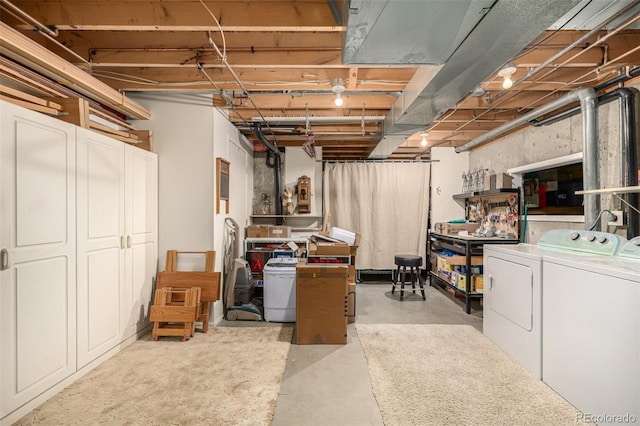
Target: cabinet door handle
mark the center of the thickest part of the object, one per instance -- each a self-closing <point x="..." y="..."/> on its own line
<point x="122" y="241"/>
<point x="4" y="259"/>
<point x="490" y="282"/>
<point x="128" y="241"/>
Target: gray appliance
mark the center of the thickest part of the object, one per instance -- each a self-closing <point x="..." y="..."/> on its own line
<point x="239" y="291"/>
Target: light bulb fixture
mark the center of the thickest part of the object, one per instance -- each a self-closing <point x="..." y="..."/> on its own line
<point x="506" y="72"/>
<point x="424" y="138"/>
<point x="337" y="86"/>
<point x="478" y="91"/>
<point x="338" y="100"/>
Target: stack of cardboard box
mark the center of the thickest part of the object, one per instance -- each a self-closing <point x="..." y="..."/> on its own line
<point x="267" y="231"/>
<point x="449" y="268"/>
<point x="321" y="304"/>
<point x="326" y="289"/>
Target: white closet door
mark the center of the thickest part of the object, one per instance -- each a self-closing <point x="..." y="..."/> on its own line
<point x="100" y="174"/>
<point x="38" y="286"/>
<point x="141" y="229"/>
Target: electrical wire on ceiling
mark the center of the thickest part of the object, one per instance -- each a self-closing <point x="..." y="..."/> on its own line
<point x="579" y="80"/>
<point x="223" y="59"/>
<point x="596" y="70"/>
<point x="128" y="78"/>
<point x="223" y="55"/>
<point x="494" y="109"/>
<point x="549" y="36"/>
<point x="581" y="40"/>
<point x="49" y="32"/>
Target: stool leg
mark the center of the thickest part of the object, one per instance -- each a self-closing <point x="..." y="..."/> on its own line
<point x="395" y="280"/>
<point x="424" y="297"/>
<point x="404" y="277"/>
<point x="413" y="279"/>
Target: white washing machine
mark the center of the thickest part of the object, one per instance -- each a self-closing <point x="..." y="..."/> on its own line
<point x="512" y="313"/>
<point x="279" y="289"/>
<point x="591" y="326"/>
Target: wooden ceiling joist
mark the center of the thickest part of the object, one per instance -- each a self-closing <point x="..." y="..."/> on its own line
<point x="22" y="49"/>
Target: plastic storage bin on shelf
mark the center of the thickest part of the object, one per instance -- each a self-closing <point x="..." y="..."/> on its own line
<point x="280" y="289"/>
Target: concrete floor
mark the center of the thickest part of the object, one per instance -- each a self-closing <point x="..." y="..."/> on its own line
<point x="329" y="384"/>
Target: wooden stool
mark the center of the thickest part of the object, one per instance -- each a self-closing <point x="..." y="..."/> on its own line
<point x="414" y="263"/>
<point x="174" y="312"/>
<point x="208" y="282"/>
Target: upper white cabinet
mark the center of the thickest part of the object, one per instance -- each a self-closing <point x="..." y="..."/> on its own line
<point x="78" y="237"/>
<point x="38" y="243"/>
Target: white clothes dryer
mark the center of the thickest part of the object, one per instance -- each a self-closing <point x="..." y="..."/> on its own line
<point x="512" y="311"/>
<point x="591" y="328"/>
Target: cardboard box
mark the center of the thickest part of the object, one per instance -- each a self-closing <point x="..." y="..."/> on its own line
<point x="279" y="231"/>
<point x="332" y="249"/>
<point x="257" y="231"/>
<point x="462" y="282"/>
<point x="339" y="236"/>
<point x="486" y="183"/>
<point x="478" y="283"/>
<point x="502" y="180"/>
<point x="443" y="265"/>
<point x="498" y="181"/>
<point x="351" y="302"/>
<point x="312" y="248"/>
<point x="462" y="260"/>
<point x="352" y="274"/>
<point x="335" y="259"/>
<point x="446" y="228"/>
<point x="351" y="238"/>
<point x="321" y="304"/>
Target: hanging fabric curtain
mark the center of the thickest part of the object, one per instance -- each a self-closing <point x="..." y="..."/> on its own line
<point x="387" y="203"/>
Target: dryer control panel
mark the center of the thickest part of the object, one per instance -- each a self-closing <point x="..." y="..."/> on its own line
<point x="594" y="242"/>
<point x="631" y="249"/>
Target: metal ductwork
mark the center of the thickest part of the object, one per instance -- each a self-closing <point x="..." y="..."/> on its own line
<point x="460" y="43"/>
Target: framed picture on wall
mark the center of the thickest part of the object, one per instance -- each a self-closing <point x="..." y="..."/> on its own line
<point x="222" y="186"/>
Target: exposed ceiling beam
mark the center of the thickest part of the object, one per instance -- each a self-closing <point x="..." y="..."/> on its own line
<point x="22" y="49"/>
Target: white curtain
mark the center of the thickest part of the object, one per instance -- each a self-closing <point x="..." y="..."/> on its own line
<point x="387" y="203"/>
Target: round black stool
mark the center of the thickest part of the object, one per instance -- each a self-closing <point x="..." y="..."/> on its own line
<point x="414" y="263"/>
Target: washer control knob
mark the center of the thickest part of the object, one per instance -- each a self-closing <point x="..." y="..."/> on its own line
<point x="603" y="240"/>
<point x="591" y="238"/>
<point x="574" y="236"/>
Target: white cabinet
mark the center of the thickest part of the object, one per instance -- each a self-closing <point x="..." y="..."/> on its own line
<point x="38" y="243"/>
<point x="78" y="234"/>
<point x="101" y="243"/>
<point x="141" y="237"/>
<point x="117" y="241"/>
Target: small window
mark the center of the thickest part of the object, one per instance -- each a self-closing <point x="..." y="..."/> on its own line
<point x="552" y="191"/>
